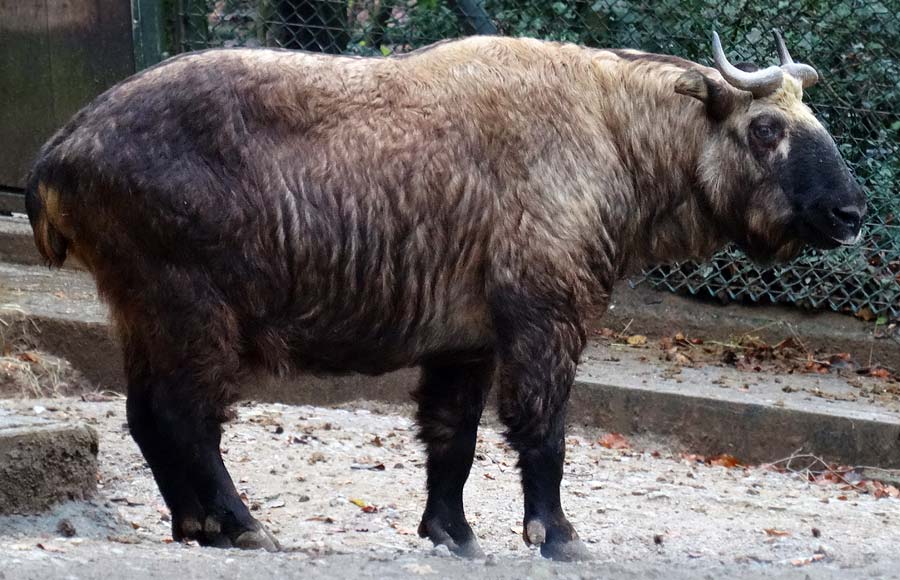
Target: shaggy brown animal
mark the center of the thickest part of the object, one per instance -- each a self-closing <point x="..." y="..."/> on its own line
<point x="462" y="208"/>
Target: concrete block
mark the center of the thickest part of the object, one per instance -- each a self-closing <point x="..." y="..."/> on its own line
<point x="44" y="462"/>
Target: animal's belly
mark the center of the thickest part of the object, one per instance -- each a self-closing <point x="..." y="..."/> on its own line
<point x="352" y="346"/>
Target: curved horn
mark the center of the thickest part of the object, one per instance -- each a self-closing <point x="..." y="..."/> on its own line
<point x="806" y="74"/>
<point x="761" y="83"/>
<point x="783" y="55"/>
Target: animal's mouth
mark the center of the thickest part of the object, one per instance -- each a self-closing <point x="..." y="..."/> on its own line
<point x="826" y="238"/>
<point x="849" y="240"/>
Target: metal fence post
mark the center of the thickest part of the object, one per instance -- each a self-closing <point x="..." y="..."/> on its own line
<point x="147" y="33"/>
<point x="474" y="16"/>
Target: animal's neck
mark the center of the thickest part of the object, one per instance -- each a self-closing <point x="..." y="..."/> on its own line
<point x="656" y="139"/>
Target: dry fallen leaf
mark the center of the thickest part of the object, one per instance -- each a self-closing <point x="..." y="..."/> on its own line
<point x="808" y="560"/>
<point x="28" y="357"/>
<point x="777" y="533"/>
<point x="364" y="506"/>
<point x="614" y="441"/>
<point x="866" y="314"/>
<point x="123" y="539"/>
<point x="637" y="340"/>
<point x="725" y="460"/>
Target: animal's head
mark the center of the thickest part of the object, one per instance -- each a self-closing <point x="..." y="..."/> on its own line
<point x="772" y="173"/>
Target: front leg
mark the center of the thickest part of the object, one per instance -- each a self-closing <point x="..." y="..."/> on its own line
<point x="539" y="341"/>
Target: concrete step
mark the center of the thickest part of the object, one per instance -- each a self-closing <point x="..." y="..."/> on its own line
<point x="44" y="462"/>
<point x="757" y="417"/>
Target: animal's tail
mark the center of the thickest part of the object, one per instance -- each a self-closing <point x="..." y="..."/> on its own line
<point x="42" y="203"/>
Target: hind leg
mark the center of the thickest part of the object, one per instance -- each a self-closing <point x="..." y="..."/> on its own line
<point x="177" y="425"/>
<point x="451" y="399"/>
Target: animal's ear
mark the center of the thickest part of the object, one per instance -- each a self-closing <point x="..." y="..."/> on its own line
<point x="721" y="99"/>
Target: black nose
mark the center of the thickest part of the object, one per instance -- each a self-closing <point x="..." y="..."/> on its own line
<point x="849" y="216"/>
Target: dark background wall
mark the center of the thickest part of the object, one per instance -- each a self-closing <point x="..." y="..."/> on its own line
<point x="55" y="56"/>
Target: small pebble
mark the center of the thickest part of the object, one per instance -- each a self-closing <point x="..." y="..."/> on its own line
<point x="66" y="529"/>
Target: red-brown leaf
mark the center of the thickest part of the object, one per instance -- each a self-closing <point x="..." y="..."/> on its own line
<point x="725" y="460"/>
<point x="614" y="441"/>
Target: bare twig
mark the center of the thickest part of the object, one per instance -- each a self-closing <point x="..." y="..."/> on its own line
<point x="494" y="461"/>
<point x="824" y="467"/>
<point x="797" y="337"/>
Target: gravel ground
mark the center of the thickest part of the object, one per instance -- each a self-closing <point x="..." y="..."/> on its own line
<point x="343" y="490"/>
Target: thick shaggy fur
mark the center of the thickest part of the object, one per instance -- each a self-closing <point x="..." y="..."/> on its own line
<point x="463" y="207"/>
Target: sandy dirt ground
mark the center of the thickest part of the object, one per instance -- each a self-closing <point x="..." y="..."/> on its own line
<point x="343" y="491"/>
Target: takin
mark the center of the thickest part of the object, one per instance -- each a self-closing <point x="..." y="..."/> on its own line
<point x="463" y="208"/>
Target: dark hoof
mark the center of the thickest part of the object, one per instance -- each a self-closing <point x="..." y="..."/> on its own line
<point x="210" y="534"/>
<point x="571" y="551"/>
<point x="468" y="549"/>
<point x="556" y="548"/>
<point x="257" y="540"/>
<point x="466" y="546"/>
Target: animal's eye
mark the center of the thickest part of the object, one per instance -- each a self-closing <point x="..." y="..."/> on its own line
<point x="765" y="134"/>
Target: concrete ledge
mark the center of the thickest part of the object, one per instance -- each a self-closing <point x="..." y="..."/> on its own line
<point x="11" y="201"/>
<point x="758" y="427"/>
<point x="42" y="463"/>
<point x="16" y="239"/>
<point x="17" y="243"/>
<point x="754" y="432"/>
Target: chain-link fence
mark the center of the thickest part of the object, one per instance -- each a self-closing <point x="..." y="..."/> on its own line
<point x="855" y="45"/>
